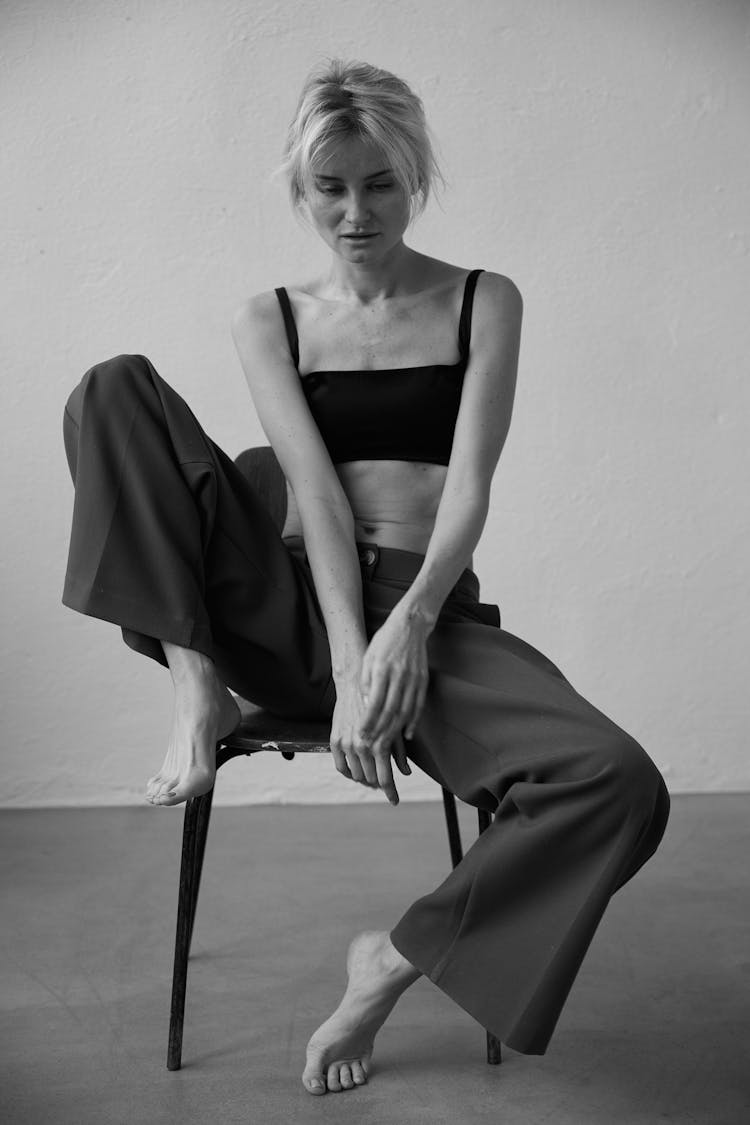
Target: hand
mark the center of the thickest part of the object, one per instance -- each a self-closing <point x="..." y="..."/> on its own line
<point x="357" y="757"/>
<point x="394" y="677"/>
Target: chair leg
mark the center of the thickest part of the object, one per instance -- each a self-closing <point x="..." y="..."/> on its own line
<point x="203" y="820"/>
<point x="451" y="821"/>
<point x="494" y="1050"/>
<point x="185" y="906"/>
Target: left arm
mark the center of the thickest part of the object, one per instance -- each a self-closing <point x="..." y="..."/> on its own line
<point x="481" y="429"/>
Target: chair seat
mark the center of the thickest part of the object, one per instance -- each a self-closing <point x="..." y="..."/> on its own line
<point x="262" y="730"/>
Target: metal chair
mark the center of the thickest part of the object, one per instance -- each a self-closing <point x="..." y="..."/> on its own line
<point x="259" y="731"/>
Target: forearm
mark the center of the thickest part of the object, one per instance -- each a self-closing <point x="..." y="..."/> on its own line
<point x="458" y="527"/>
<point x="331" y="550"/>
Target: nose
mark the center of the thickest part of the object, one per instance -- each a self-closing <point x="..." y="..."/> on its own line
<point x="356" y="209"/>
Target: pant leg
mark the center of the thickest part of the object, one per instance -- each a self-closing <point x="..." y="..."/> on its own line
<point x="579" y="807"/>
<point x="171" y="542"/>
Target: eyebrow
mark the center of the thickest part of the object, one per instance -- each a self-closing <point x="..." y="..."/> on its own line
<point x="372" y="176"/>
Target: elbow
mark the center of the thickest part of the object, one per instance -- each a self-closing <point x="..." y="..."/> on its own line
<point x="481" y="510"/>
<point x="471" y="493"/>
<point x="478" y="509"/>
<point x="317" y="509"/>
<point x="468" y="508"/>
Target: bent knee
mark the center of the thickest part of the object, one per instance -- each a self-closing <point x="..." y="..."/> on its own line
<point x="634" y="781"/>
<point x="121" y="370"/>
<point x="118" y="376"/>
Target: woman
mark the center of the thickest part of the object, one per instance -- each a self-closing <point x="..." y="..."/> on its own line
<point x="385" y="387"/>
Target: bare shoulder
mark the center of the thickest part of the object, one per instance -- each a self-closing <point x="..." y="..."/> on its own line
<point x="259" y="314"/>
<point x="498" y="311"/>
<point x="496" y="325"/>
<point x="260" y="337"/>
<point x="497" y="289"/>
<point x="495" y="292"/>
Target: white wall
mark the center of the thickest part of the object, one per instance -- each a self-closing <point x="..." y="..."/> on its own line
<point x="596" y="152"/>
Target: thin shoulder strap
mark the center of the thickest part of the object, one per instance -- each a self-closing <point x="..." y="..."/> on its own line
<point x="464" y="325"/>
<point x="291" y="327"/>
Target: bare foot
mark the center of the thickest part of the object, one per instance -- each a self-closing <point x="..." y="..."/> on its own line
<point x="339" y="1052"/>
<point x="204" y="712"/>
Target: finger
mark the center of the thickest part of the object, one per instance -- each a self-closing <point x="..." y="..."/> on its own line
<point x="384" y="743"/>
<point x="398" y="752"/>
<point x="390" y="712"/>
<point x="385" y="778"/>
<point x="418" y="706"/>
<point x="409" y="706"/>
<point x="339" y="760"/>
<point x="373" y="698"/>
<point x="357" y="773"/>
<point x="367" y="763"/>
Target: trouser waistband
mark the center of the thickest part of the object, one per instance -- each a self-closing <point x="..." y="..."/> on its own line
<point x="391" y="563"/>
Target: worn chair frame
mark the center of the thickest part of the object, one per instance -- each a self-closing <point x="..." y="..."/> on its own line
<point x="260" y="731"/>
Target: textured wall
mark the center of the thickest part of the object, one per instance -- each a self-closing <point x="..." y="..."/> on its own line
<point x="596" y="152"/>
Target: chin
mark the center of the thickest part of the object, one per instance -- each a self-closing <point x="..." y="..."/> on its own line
<point x="359" y="252"/>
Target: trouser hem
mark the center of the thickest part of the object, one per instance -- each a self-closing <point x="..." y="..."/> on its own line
<point x="136" y="620"/>
<point x="434" y="974"/>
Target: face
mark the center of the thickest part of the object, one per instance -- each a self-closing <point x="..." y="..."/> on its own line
<point x="356" y="204"/>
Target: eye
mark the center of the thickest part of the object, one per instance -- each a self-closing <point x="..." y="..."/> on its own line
<point x="384" y="185"/>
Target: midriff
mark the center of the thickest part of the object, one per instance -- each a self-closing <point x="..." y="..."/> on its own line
<point x="394" y="503"/>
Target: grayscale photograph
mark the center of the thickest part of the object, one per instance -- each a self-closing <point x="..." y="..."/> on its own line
<point x="375" y="595"/>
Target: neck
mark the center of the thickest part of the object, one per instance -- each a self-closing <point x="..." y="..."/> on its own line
<point x="371" y="282"/>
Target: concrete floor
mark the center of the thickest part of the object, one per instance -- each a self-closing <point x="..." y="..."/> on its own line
<point x="656" y="1028"/>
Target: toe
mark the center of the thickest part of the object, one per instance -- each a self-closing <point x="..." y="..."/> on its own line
<point x="166" y="794"/>
<point x="345" y="1076"/>
<point x="153" y="785"/>
<point x="314" y="1085"/>
<point x="313" y="1078"/>
<point x="359" y="1074"/>
<point x="164" y="786"/>
<point x="169" y="798"/>
<point x="333" y="1077"/>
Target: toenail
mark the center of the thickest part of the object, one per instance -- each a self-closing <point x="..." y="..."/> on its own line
<point x="316" y="1084"/>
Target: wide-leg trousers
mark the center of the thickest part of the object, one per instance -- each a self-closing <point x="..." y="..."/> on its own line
<point x="170" y="542"/>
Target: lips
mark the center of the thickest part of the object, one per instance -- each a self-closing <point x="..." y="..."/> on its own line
<point x="359" y="237"/>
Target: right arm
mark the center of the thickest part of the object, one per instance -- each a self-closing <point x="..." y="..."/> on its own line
<point x="327" y="524"/>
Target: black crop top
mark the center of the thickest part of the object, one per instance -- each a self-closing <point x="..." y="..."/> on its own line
<point x="399" y="413"/>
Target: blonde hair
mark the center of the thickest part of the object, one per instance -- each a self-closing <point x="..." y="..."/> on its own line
<point x="354" y="99"/>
